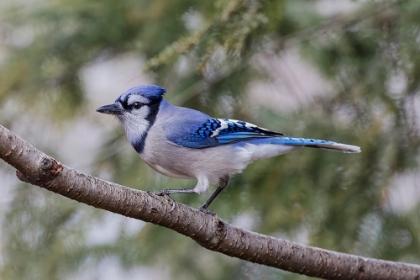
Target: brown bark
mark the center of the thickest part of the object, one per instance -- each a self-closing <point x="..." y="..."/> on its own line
<point x="212" y="233"/>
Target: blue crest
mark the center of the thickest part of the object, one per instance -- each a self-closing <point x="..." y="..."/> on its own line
<point x="151" y="92"/>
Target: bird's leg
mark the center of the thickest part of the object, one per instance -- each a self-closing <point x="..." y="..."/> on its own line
<point x="223" y="182"/>
<point x="172" y="191"/>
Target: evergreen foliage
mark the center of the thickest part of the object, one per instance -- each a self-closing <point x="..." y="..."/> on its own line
<point x="210" y="55"/>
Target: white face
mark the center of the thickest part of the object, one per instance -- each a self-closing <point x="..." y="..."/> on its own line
<point x="134" y="117"/>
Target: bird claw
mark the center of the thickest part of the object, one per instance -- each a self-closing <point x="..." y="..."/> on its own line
<point x="207" y="211"/>
<point x="165" y="193"/>
<point x="173" y="204"/>
<point x="161" y="193"/>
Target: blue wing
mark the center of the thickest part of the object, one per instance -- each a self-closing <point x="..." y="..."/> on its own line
<point x="193" y="129"/>
<point x="216" y="132"/>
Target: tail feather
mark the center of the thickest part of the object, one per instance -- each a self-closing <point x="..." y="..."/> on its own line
<point x="320" y="144"/>
<point x="350" y="149"/>
<point x="273" y="146"/>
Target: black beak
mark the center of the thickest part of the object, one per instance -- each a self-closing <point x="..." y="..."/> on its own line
<point x="111" y="109"/>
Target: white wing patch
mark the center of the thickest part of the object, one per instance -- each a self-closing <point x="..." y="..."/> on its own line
<point x="223" y="125"/>
<point x="240" y="122"/>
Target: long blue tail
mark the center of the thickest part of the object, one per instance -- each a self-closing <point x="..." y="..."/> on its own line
<point x="316" y="143"/>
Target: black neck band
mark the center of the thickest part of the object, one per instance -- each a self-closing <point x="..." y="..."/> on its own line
<point x="151" y="118"/>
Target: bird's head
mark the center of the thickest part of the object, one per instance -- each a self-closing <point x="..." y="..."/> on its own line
<point x="136" y="109"/>
<point x="136" y="102"/>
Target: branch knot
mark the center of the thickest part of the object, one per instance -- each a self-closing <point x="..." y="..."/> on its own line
<point x="48" y="164"/>
<point x="220" y="232"/>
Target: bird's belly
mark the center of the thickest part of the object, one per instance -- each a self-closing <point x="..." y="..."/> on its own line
<point x="180" y="162"/>
<point x="168" y="172"/>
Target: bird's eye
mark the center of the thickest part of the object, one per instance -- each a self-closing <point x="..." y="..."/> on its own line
<point x="137" y="105"/>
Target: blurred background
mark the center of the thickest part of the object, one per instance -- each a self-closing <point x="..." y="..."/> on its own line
<point x="347" y="71"/>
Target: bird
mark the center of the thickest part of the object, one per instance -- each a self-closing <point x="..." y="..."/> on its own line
<point x="185" y="143"/>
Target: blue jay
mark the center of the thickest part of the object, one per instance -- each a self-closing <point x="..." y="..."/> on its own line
<point x="184" y="143"/>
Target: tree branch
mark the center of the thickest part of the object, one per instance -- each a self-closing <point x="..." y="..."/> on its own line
<point x="212" y="233"/>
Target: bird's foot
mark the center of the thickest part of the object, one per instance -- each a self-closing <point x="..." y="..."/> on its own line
<point x="162" y="192"/>
<point x="207" y="211"/>
<point x="166" y="193"/>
